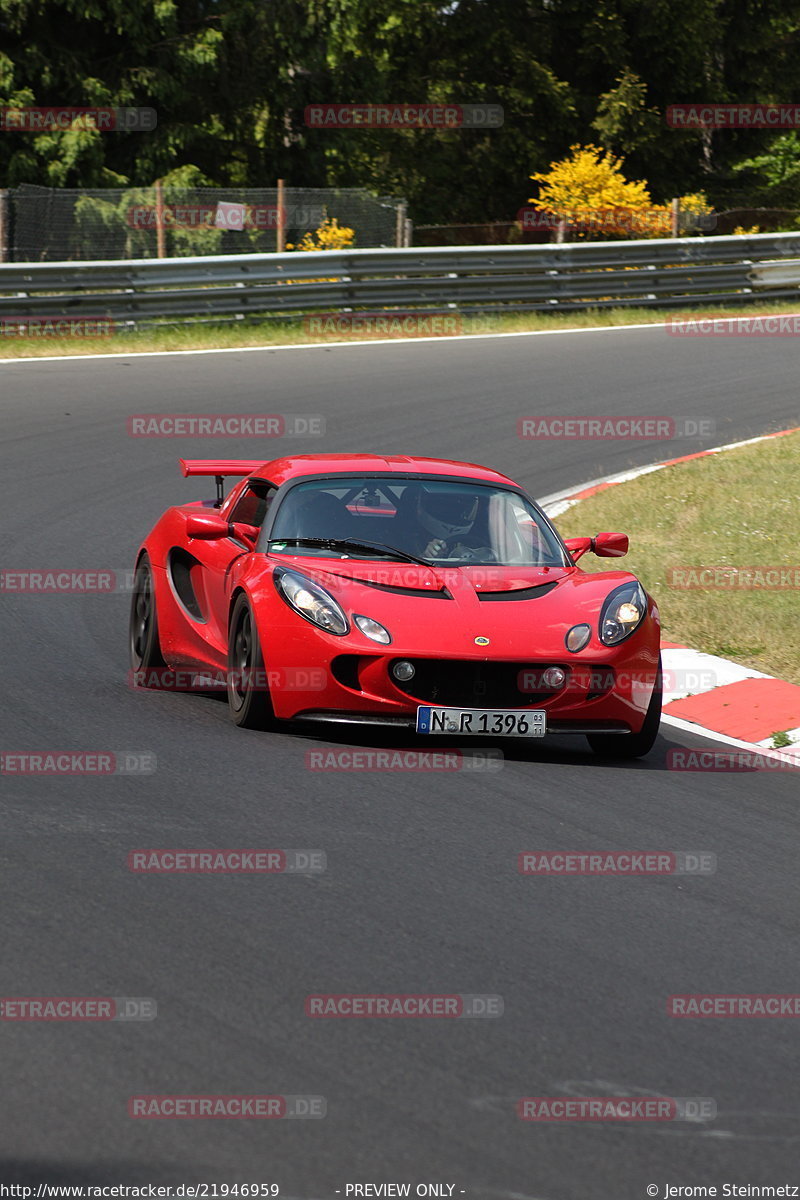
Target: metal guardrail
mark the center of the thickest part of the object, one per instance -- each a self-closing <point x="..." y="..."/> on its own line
<point x="776" y="274"/>
<point x="656" y="273"/>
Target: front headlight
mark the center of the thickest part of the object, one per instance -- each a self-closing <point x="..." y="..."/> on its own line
<point x="623" y="611"/>
<point x="311" y="601"/>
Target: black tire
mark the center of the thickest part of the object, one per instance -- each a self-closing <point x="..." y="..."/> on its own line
<point x="145" y="648"/>
<point x="248" y="696"/>
<point x="632" y="745"/>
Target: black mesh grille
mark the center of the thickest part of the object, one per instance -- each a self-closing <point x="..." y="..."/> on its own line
<point x="474" y="684"/>
<point x="529" y="593"/>
<point x="601" y="681"/>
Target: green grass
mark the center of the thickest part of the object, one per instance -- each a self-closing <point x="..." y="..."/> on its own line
<point x="736" y="509"/>
<point x="194" y="335"/>
<point x="781" y="739"/>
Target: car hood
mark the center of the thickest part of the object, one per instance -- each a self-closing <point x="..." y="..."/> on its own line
<point x="412" y="578"/>
<point x="521" y="611"/>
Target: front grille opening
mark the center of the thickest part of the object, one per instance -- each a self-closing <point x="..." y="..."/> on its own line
<point x="477" y="684"/>
<point x="601" y="681"/>
<point x="344" y="669"/>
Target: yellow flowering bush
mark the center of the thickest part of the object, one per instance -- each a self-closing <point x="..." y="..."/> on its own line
<point x="329" y="236"/>
<point x="590" y="194"/>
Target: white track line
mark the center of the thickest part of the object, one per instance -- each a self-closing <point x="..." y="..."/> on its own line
<point x="463" y="337"/>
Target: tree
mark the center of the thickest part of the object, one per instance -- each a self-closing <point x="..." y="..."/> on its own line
<point x="230" y="80"/>
<point x="623" y="121"/>
<point x="777" y="172"/>
<point x="427" y="51"/>
<point x="218" y="73"/>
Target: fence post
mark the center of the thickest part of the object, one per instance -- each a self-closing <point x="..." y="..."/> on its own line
<point x="675" y="210"/>
<point x="400" y="227"/>
<point x="408" y="235"/>
<point x="160" y="232"/>
<point x="4" y="210"/>
<point x="280" y="244"/>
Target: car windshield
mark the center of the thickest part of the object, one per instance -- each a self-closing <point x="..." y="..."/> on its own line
<point x="446" y="522"/>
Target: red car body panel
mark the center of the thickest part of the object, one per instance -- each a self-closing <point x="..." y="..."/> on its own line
<point x="432" y="614"/>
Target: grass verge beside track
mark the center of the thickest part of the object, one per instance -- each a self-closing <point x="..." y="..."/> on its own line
<point x="196" y="335"/>
<point x="736" y="510"/>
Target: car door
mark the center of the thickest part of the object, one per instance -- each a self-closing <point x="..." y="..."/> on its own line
<point x="211" y="577"/>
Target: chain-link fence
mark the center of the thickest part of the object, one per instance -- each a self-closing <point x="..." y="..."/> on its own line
<point x="39" y="224"/>
<point x="512" y="233"/>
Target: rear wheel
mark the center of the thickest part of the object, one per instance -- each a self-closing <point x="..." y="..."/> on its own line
<point x="248" y="695"/>
<point x="145" y="649"/>
<point x="632" y="745"/>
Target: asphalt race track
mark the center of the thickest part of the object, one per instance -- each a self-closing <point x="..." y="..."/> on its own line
<point x="422" y="892"/>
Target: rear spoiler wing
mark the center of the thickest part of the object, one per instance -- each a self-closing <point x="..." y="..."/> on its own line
<point x="219" y="468"/>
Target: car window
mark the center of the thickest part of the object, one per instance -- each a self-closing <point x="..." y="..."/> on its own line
<point x="252" y="506"/>
<point x="445" y="521"/>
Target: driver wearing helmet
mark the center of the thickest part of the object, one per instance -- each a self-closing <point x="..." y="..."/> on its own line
<point x="445" y="520"/>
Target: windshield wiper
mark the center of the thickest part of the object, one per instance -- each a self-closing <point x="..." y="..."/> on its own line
<point x="346" y="544"/>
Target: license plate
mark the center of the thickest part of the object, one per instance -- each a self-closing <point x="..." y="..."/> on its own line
<point x="482" y="722"/>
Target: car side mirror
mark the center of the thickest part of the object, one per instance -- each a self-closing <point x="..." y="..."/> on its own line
<point x="578" y="546"/>
<point x="208" y="526"/>
<point x="245" y="533"/>
<point x="610" y="545"/>
<point x="604" y="545"/>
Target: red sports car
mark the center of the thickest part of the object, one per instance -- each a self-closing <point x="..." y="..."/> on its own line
<point x="411" y="592"/>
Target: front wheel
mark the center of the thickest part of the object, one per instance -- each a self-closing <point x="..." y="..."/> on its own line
<point x="632" y="745"/>
<point x="248" y="696"/>
<point x="145" y="648"/>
